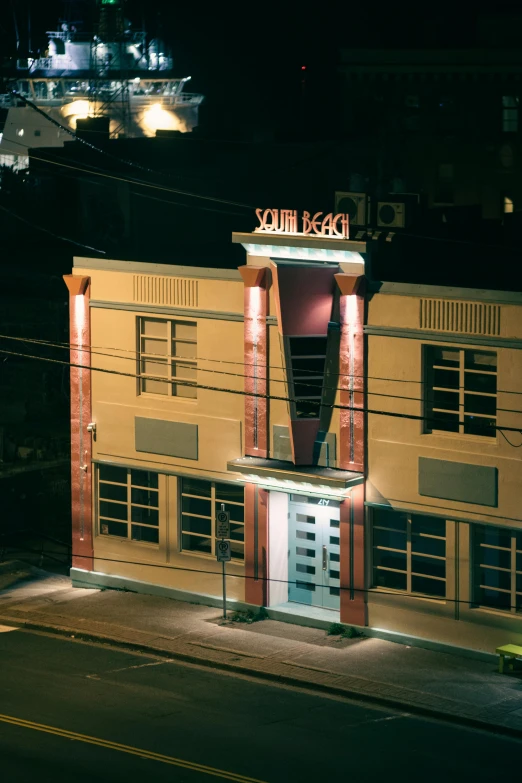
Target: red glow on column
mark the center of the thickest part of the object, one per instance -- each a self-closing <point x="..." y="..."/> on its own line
<point x="351" y="383"/>
<point x="353" y="593"/>
<point x="81" y="446"/>
<point x="256" y="545"/>
<point x="256" y="404"/>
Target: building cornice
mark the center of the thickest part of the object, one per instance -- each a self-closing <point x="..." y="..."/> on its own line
<point x="133" y="267"/>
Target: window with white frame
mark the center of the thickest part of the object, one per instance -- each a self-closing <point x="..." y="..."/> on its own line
<point x="168" y="357"/>
<point x="128" y="505"/>
<point x="409" y="552"/>
<point x="497" y="568"/>
<point x="200" y="500"/>
<point x="461" y="391"/>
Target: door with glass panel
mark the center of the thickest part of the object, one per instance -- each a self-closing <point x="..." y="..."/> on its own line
<point x="314" y="552"/>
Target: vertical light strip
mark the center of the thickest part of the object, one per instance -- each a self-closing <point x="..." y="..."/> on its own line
<point x="256" y="399"/>
<point x="255" y="311"/>
<point x="256" y="532"/>
<point x="79" y="316"/>
<point x="352" y="555"/>
<point x="350" y="320"/>
<point x="351" y="346"/>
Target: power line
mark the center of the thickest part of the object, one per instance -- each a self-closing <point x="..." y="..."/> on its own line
<point x="267" y="579"/>
<point x="159" y="361"/>
<point x="187" y="206"/>
<point x="188" y="193"/>
<point x="194" y="385"/>
<point x="123" y="160"/>
<point x="513" y="445"/>
<point x="95" y="171"/>
<point x="51" y="233"/>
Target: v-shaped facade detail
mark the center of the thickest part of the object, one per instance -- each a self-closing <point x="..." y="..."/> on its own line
<point x="304" y="423"/>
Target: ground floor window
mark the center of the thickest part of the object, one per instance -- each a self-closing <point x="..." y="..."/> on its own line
<point x="409" y="552"/>
<point x="497" y="568"/>
<point x="128" y="503"/>
<point x="200" y="500"/>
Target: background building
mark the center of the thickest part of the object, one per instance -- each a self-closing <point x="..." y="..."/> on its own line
<point x="439" y="121"/>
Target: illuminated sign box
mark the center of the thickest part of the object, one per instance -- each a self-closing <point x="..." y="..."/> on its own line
<point x="288" y="221"/>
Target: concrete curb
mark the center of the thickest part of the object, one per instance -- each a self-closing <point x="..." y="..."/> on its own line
<point x="318" y="687"/>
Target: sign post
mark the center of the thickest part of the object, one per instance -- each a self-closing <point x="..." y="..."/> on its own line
<point x="223" y="553"/>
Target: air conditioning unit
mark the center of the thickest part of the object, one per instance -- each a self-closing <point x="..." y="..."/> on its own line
<point x="391" y="214"/>
<point x="353" y="204"/>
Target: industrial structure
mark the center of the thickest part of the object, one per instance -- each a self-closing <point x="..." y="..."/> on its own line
<point x="114" y="80"/>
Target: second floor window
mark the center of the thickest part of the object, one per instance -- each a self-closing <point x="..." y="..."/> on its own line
<point x="168" y="357"/>
<point x="307" y="364"/>
<point x="461" y="391"/>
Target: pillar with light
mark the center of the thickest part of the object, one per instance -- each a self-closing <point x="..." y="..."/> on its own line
<point x="81" y="445"/>
<point x="256" y="280"/>
<point x="352" y="437"/>
<point x="256" y="405"/>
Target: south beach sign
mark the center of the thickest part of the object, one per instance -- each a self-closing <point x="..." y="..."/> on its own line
<point x="288" y="221"/>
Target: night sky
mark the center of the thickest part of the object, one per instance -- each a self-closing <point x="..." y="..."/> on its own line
<point x="246" y="57"/>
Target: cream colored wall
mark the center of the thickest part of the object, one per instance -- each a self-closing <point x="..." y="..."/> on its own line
<point x="395" y="311"/>
<point x="397" y="443"/>
<point x="394" y="448"/>
<point x="219" y="295"/>
<point x="219" y="416"/>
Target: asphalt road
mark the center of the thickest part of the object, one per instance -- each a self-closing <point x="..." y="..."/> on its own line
<point x="62" y="704"/>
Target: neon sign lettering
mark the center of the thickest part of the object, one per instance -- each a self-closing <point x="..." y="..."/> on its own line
<point x="287" y="221"/>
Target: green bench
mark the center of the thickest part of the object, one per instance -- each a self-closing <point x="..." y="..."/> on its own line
<point x="509" y="651"/>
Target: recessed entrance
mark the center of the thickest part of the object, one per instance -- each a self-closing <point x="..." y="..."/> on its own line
<point x="314" y="551"/>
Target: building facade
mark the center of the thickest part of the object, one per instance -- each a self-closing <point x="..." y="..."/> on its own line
<point x="444" y="477"/>
<point x="359" y="438"/>
<point x="200" y="389"/>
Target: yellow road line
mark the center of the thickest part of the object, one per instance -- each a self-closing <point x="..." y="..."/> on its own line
<point x="146" y="754"/>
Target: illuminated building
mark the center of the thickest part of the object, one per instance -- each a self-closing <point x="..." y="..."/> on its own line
<point x="114" y="71"/>
<point x="352" y="431"/>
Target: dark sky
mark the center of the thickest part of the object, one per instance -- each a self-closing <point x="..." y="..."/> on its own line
<point x="249" y="54"/>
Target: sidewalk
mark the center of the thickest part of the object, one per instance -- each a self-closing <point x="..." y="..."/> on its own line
<point x="435" y="684"/>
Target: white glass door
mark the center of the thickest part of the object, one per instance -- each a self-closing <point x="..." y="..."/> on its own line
<point x="314" y="553"/>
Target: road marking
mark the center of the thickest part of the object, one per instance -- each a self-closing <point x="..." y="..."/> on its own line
<point x="145" y="754"/>
<point x="125" y="669"/>
<point x="388" y="717"/>
<point x="138" y="666"/>
<point x="6" y="628"/>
